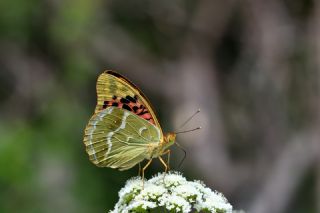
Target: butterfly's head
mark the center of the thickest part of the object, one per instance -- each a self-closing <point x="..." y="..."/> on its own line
<point x="169" y="139"/>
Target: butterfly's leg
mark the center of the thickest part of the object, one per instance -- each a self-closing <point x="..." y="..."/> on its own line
<point x="165" y="166"/>
<point x="139" y="172"/>
<point x="168" y="158"/>
<point x="143" y="169"/>
<point x="164" y="163"/>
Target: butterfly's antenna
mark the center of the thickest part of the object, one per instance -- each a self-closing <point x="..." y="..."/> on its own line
<point x="185" y="154"/>
<point x="190" y="130"/>
<point x="181" y="126"/>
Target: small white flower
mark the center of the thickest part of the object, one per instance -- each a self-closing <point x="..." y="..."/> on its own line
<point x="221" y="202"/>
<point x="140" y="204"/>
<point x="151" y="192"/>
<point x="168" y="179"/>
<point x="188" y="192"/>
<point x="205" y="191"/>
<point x="175" y="203"/>
<point x="172" y="192"/>
<point x="133" y="185"/>
<point x="213" y="201"/>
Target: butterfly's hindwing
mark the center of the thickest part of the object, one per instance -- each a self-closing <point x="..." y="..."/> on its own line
<point x="117" y="138"/>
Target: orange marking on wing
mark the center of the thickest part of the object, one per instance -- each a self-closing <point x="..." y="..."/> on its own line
<point x="146" y="116"/>
<point x="136" y="108"/>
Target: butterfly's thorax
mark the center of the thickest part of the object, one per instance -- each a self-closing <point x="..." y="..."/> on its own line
<point x="168" y="140"/>
<point x="154" y="151"/>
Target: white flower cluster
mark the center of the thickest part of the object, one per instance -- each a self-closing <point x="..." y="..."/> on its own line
<point x="171" y="192"/>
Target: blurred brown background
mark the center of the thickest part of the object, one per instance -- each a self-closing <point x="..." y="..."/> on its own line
<point x="253" y="67"/>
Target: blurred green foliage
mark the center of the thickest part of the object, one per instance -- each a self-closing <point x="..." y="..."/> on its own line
<point x="43" y="165"/>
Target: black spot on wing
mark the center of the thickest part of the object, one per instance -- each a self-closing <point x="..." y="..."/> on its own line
<point x="115" y="104"/>
<point x="131" y="99"/>
<point x="124" y="101"/>
<point x="114" y="97"/>
<point x="135" y="108"/>
<point x="143" y="112"/>
<point x="125" y="106"/>
<point x="105" y="104"/>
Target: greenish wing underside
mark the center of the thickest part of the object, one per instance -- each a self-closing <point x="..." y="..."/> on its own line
<point x="117" y="138"/>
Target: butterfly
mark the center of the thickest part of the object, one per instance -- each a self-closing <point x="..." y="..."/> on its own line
<point x="124" y="129"/>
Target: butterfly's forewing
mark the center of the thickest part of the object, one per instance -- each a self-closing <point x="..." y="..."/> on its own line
<point x="115" y="90"/>
<point x="117" y="138"/>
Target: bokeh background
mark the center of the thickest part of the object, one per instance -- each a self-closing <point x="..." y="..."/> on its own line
<point x="252" y="67"/>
